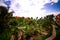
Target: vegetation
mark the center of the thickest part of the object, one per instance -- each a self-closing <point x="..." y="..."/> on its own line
<point x="24" y="28"/>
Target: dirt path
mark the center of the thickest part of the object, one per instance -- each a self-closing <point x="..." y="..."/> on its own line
<point x="53" y="34"/>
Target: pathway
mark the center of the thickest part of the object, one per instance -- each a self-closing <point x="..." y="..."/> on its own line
<point x="53" y="34"/>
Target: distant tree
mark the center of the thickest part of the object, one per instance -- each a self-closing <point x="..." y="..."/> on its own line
<point x="50" y="17"/>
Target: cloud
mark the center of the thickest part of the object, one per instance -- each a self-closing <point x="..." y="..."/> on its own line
<point x="29" y="8"/>
<point x="55" y="1"/>
<point x="25" y="3"/>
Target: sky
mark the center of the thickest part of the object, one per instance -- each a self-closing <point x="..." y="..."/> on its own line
<point x="33" y="8"/>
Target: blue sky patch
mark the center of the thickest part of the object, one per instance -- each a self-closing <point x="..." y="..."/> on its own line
<point x="55" y="7"/>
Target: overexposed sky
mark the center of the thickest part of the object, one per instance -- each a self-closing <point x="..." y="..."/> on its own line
<point x="30" y="8"/>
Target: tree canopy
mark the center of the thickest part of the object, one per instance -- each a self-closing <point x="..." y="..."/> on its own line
<point x="4" y="19"/>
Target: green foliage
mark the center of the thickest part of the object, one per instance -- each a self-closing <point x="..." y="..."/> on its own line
<point x="14" y="23"/>
<point x="30" y="26"/>
<point x="5" y="36"/>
